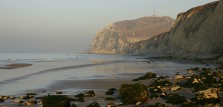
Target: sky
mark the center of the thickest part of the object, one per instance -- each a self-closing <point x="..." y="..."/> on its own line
<point x="69" y="26"/>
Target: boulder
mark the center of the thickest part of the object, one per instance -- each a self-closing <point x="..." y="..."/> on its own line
<point x="207" y="96"/>
<point x="175" y="99"/>
<point x="174" y="88"/>
<point x="133" y="93"/>
<point x="110" y="98"/>
<point x="110" y="91"/>
<point x="56" y="101"/>
<point x="111" y="105"/>
<point x="1" y="100"/>
<point x="178" y="77"/>
<point x="161" y="83"/>
<point x="19" y="101"/>
<point x="89" y="93"/>
<point x="93" y="104"/>
<point x="59" y="92"/>
<point x="138" y="103"/>
<point x="148" y="75"/>
<point x="31" y="102"/>
<point x="73" y="105"/>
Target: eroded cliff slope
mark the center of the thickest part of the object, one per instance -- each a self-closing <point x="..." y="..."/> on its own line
<point x="116" y="38"/>
<point x="197" y="32"/>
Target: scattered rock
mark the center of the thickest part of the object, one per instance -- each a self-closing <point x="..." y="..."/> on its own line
<point x="11" y="97"/>
<point x="158" y="105"/>
<point x="133" y="93"/>
<point x="161" y="83"/>
<point x="94" y="104"/>
<point x="89" y="93"/>
<point x="179" y="77"/>
<point x="73" y="105"/>
<point x="26" y="97"/>
<point x="79" y="95"/>
<point x="175" y="99"/>
<point x="138" y="103"/>
<point x="1" y="100"/>
<point x="59" y="92"/>
<point x="31" y="94"/>
<point x="209" y="96"/>
<point x="163" y="95"/>
<point x="190" y="71"/>
<point x="110" y="98"/>
<point x="153" y="96"/>
<point x="56" y="101"/>
<point x="110" y="91"/>
<point x="148" y="75"/>
<point x="154" y="89"/>
<point x="19" y="101"/>
<point x="188" y="104"/>
<point x="111" y="104"/>
<point x="31" y="102"/>
<point x="175" y="88"/>
<point x="6" y="97"/>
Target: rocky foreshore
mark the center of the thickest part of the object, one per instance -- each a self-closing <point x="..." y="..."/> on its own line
<point x="197" y="87"/>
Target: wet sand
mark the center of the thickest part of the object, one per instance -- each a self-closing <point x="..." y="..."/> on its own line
<point x="15" y="66"/>
<point x="105" y="75"/>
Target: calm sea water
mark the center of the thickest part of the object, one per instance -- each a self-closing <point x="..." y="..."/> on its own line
<point x="49" y="69"/>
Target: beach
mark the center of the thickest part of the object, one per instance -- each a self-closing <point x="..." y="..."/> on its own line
<point x="75" y="76"/>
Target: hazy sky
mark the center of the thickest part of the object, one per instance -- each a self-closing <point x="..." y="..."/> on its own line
<point x="68" y="26"/>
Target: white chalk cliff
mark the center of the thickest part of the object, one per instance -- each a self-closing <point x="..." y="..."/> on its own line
<point x="114" y="38"/>
<point x="196" y="32"/>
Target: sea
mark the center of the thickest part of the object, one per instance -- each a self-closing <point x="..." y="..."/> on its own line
<point x="48" y="69"/>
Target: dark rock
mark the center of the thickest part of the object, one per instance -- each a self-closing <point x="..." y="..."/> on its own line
<point x="110" y="98"/>
<point x="111" y="104"/>
<point x="19" y="101"/>
<point x="148" y="75"/>
<point x="89" y="93"/>
<point x="94" y="104"/>
<point x="195" y="69"/>
<point x="161" y="77"/>
<point x="189" y="104"/>
<point x="26" y="97"/>
<point x="59" y="92"/>
<point x="2" y="100"/>
<point x="133" y="93"/>
<point x="110" y="91"/>
<point x="157" y="105"/>
<point x="161" y="83"/>
<point x="56" y="101"/>
<point x="153" y="96"/>
<point x="31" y="94"/>
<point x="31" y="102"/>
<point x="155" y="89"/>
<point x="175" y="99"/>
<point x="73" y="105"/>
<point x="209" y="96"/>
<point x="79" y="95"/>
<point x="163" y="95"/>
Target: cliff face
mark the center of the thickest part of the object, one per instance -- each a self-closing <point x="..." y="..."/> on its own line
<point x="197" y="32"/>
<point x="116" y="38"/>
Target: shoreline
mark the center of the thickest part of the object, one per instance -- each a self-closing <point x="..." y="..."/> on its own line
<point x="15" y="65"/>
<point x="100" y="86"/>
